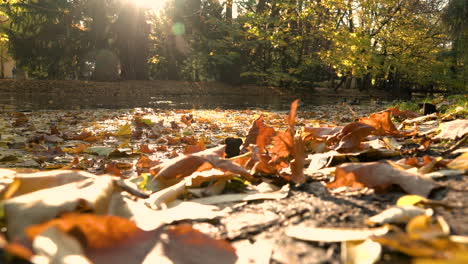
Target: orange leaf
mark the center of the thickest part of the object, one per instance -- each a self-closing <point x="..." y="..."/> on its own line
<point x="112" y="169"/>
<point x="350" y="137"/>
<point x="185" y="244"/>
<point x="381" y="175"/>
<point x="381" y="122"/>
<point x="185" y="165"/>
<point x="187" y="119"/>
<point x="145" y="149"/>
<point x="190" y="149"/>
<point x="144" y="164"/>
<point x="259" y="134"/>
<point x="97" y="231"/>
<point x="397" y="113"/>
<point x="82" y="136"/>
<point x="292" y="113"/>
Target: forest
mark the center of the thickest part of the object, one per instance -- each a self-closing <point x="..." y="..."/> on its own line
<point x="387" y="44"/>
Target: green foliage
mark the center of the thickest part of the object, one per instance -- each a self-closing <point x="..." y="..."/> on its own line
<point x="58" y="39"/>
<point x="392" y="45"/>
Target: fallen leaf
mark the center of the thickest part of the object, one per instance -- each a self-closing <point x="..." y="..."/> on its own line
<point x="381" y="175"/>
<point x="398" y="215"/>
<point x="185" y="165"/>
<point x="382" y="123"/>
<point x="39" y="206"/>
<point x="55" y="246"/>
<point x="330" y="235"/>
<point x="145" y="149"/>
<point x="124" y="131"/>
<point x="31" y="182"/>
<point x="259" y="134"/>
<point x="459" y="163"/>
<point x="453" y="129"/>
<point x="350" y="137"/>
<point x="360" y="252"/>
<point x="98" y="231"/>
<point x="112" y="169"/>
<point x="188" y="245"/>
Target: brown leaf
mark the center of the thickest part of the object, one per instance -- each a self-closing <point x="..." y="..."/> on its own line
<point x="382" y="123"/>
<point x="321" y="133"/>
<point x="187" y="119"/>
<point x="292" y="113"/>
<point x="96" y="231"/>
<point x="185" y="165"/>
<point x="259" y="134"/>
<point x="190" y="149"/>
<point x="283" y="144"/>
<point x="144" y="164"/>
<point x="112" y="169"/>
<point x="188" y="245"/>
<point x="82" y="136"/>
<point x="397" y="113"/>
<point x="297" y="164"/>
<point x="381" y="175"/>
<point x="350" y="137"/>
<point x="145" y="149"/>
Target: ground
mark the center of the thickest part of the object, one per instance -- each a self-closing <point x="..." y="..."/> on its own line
<point x="107" y="141"/>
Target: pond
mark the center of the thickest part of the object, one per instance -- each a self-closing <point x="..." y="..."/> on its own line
<point x="42" y="101"/>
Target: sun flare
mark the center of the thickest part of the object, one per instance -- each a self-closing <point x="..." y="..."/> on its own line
<point x="155" y="5"/>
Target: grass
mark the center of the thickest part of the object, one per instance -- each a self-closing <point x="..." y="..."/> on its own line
<point x="453" y="104"/>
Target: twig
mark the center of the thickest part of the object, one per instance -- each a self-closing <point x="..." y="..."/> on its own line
<point x="355" y="115"/>
<point x="456" y="145"/>
<point x="121" y="183"/>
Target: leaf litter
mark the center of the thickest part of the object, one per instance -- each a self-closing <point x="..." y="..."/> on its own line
<point x="135" y="185"/>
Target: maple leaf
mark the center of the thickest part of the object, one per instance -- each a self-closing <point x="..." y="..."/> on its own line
<point x="285" y="144"/>
<point x="259" y="134"/>
<point x="350" y="137"/>
<point x="382" y="123"/>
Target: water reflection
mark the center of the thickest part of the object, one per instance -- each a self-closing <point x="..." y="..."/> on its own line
<point x="31" y="101"/>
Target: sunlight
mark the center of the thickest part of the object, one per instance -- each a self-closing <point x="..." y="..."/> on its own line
<point x="154" y="5"/>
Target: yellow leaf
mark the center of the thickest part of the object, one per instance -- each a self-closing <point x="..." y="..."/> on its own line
<point x="460" y="163"/>
<point x="125" y="130"/>
<point x="411" y="200"/>
<point x="427" y="227"/>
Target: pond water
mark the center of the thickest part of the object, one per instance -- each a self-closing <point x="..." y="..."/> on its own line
<point x="30" y="101"/>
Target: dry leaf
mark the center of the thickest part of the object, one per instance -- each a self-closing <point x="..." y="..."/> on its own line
<point x="180" y="167"/>
<point x="381" y="175"/>
<point x="259" y="134"/>
<point x="398" y="215"/>
<point x="350" y="137"/>
<point x="382" y="123"/>
<point x="43" y="205"/>
<point x="31" y="182"/>
<point x="360" y="252"/>
<point x="330" y="235"/>
<point x="453" y="129"/>
<point x="460" y="163"/>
